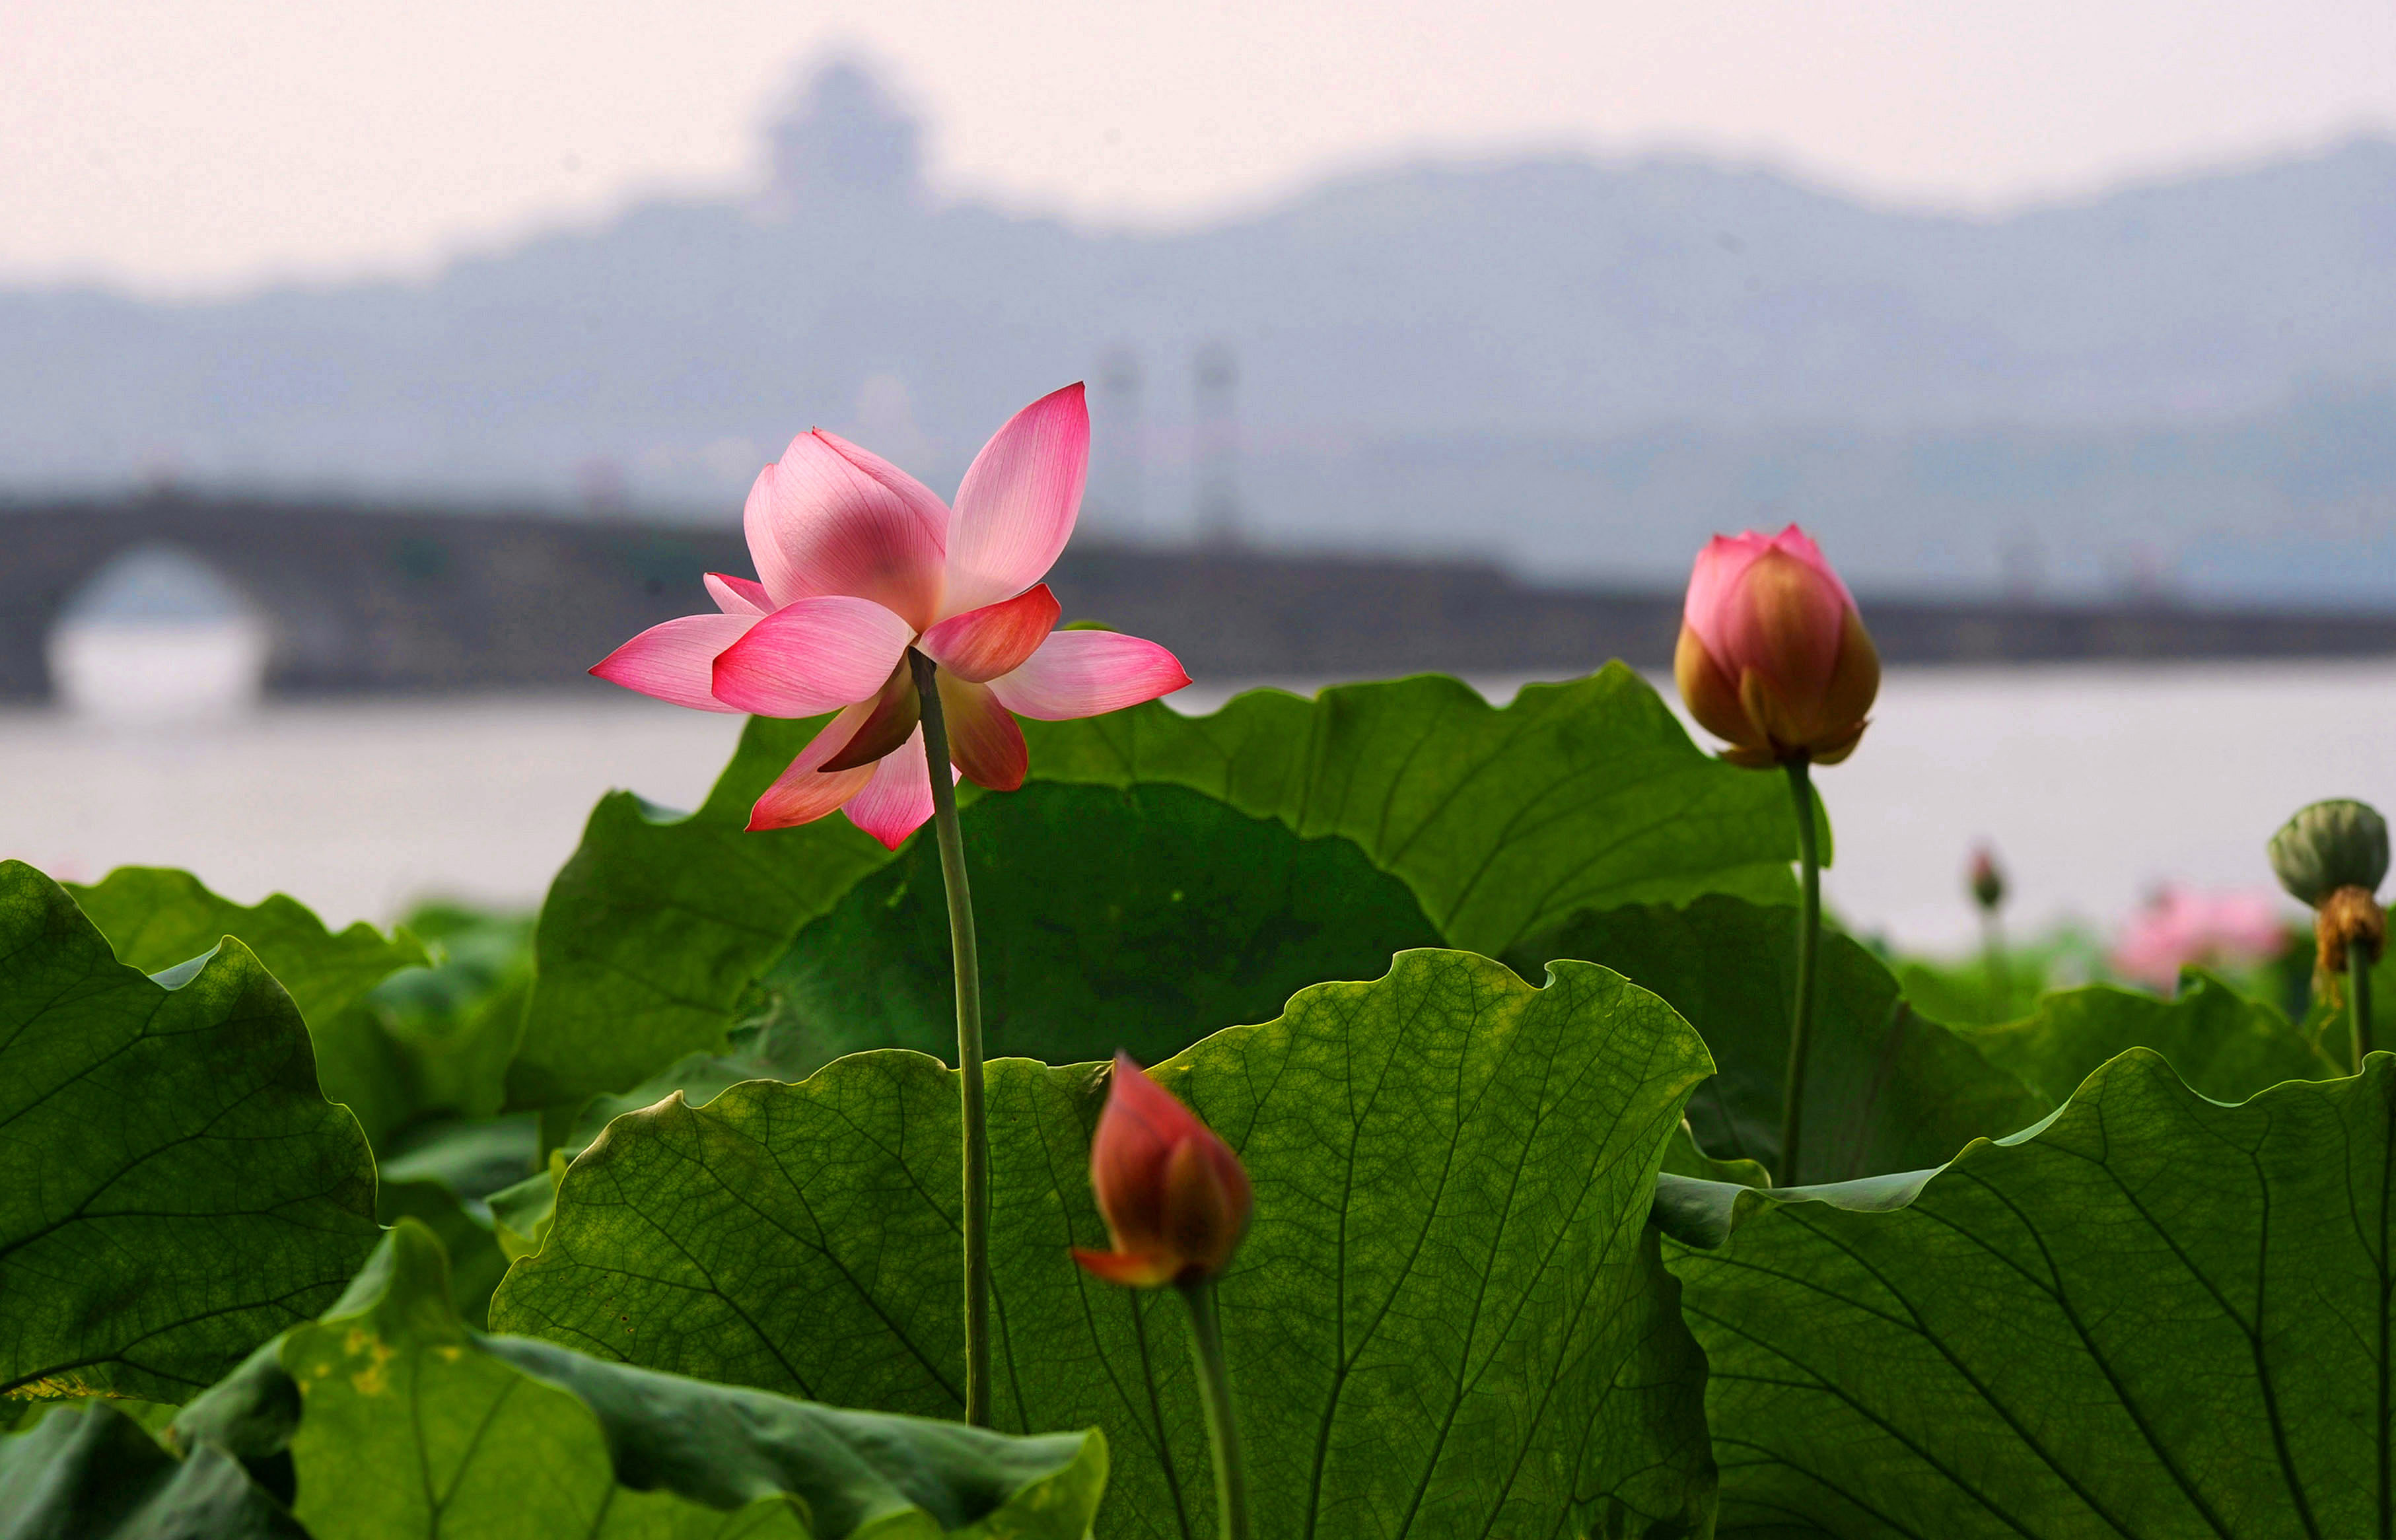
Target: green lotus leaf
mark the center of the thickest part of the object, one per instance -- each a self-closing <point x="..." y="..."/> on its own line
<point x="2153" y="1315"/>
<point x="1886" y="1088"/>
<point x="177" y="1189"/>
<point x="445" y="1175"/>
<point x="1500" y="821"/>
<point x="381" y="1048"/>
<point x="521" y="1214"/>
<point x="392" y="1420"/>
<point x="1189" y="916"/>
<point x="1503" y="820"/>
<point x="2222" y="1044"/>
<point x="155" y="917"/>
<point x="1448" y="1316"/>
<point x="1682" y="1157"/>
<point x="451" y="1029"/>
<point x="1181" y="915"/>
<point x="86" y="1471"/>
<point x="659" y="921"/>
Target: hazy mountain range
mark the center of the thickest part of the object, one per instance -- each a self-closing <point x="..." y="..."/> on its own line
<point x="1580" y="365"/>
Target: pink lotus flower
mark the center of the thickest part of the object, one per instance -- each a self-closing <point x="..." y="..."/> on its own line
<point x="2178" y="928"/>
<point x="858" y="563"/>
<point x="1773" y="655"/>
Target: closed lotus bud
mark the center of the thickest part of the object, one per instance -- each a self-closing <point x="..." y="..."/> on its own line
<point x="1173" y="1196"/>
<point x="1988" y="883"/>
<point x="1773" y="656"/>
<point x="2331" y="845"/>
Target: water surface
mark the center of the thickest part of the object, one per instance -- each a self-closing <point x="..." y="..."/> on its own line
<point x="2094" y="783"/>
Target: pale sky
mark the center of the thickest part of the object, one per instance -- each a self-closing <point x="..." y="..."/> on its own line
<point x="184" y="146"/>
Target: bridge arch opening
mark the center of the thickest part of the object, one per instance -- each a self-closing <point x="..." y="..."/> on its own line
<point x="156" y="634"/>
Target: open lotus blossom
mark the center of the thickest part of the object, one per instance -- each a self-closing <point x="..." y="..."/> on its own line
<point x="2179" y="927"/>
<point x="858" y="562"/>
<point x="1773" y="655"/>
<point x="1175" y="1198"/>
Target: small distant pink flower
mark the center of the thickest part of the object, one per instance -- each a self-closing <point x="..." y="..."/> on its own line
<point x="2179" y="927"/>
<point x="858" y="562"/>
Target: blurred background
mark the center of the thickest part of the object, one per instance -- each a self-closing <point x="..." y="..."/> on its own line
<point x="365" y="374"/>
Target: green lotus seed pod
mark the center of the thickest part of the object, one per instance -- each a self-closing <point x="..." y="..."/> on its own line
<point x="2331" y="845"/>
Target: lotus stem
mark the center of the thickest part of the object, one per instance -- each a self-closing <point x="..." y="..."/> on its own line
<point x="2358" y="1001"/>
<point x="1215" y="1393"/>
<point x="1997" y="970"/>
<point x="969" y="1080"/>
<point x="1809" y="937"/>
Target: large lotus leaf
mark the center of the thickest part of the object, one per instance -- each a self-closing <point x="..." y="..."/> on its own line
<point x="1504" y="820"/>
<point x="1140" y="918"/>
<point x="1683" y="1158"/>
<point x="2154" y="1315"/>
<point x="1501" y="821"/>
<point x="86" y="1471"/>
<point x="1448" y="1317"/>
<point x="2222" y="1044"/>
<point x="173" y="1186"/>
<point x="18" y="1413"/>
<point x="155" y="917"/>
<point x="1887" y="1089"/>
<point x="1971" y="991"/>
<point x="387" y="1071"/>
<point x="483" y="965"/>
<point x="471" y="1237"/>
<point x="471" y="1157"/>
<point x="444" y="1174"/>
<point x="452" y="1028"/>
<point x="392" y="1420"/>
<point x="1189" y="915"/>
<point x="660" y="920"/>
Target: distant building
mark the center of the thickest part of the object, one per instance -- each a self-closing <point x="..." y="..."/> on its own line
<point x="843" y="139"/>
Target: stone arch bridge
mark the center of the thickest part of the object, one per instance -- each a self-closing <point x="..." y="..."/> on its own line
<point x="383" y="599"/>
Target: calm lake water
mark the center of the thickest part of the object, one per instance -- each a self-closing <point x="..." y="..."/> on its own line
<point x="2094" y="784"/>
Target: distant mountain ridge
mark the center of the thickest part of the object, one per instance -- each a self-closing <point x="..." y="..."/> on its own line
<point x="1549" y="301"/>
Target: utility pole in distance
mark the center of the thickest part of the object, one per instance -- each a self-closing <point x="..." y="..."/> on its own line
<point x="1216" y="374"/>
<point x="1121" y="441"/>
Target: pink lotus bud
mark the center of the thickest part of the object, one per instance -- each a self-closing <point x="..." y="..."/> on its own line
<point x="1988" y="882"/>
<point x="1773" y="656"/>
<point x="1174" y="1197"/>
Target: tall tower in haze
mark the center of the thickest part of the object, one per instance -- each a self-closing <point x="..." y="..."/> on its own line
<point x="842" y="140"/>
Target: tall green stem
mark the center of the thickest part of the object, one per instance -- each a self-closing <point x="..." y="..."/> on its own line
<point x="1809" y="937"/>
<point x="1214" y="1394"/>
<point x="1994" y="967"/>
<point x="968" y="965"/>
<point x="2357" y="992"/>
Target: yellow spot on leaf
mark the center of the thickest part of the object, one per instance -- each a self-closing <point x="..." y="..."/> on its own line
<point x="373" y="1380"/>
